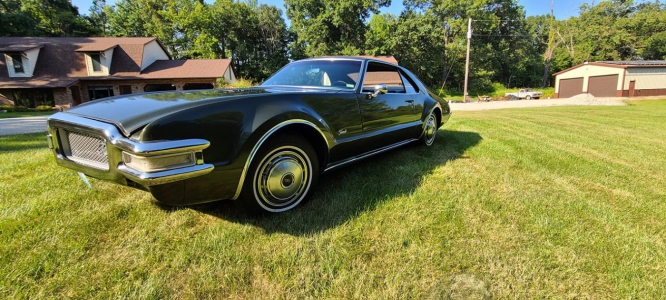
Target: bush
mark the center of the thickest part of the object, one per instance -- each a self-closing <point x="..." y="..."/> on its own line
<point x="240" y="83"/>
<point x="20" y="109"/>
<point x="8" y="108"/>
<point x="44" y="108"/>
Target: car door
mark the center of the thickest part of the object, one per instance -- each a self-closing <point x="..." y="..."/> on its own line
<point x="387" y="118"/>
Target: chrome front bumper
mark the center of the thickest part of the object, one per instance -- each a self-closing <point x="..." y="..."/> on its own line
<point x="61" y="123"/>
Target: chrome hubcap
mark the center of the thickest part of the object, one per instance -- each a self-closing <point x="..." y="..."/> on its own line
<point x="431" y="129"/>
<point x="282" y="178"/>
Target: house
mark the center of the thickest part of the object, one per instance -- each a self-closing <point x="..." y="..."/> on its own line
<point x="613" y="79"/>
<point x="69" y="71"/>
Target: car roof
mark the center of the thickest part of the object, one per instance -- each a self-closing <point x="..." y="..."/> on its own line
<point x="358" y="58"/>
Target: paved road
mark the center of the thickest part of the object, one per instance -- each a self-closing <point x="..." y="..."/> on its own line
<point x="23" y="125"/>
<point x="537" y="103"/>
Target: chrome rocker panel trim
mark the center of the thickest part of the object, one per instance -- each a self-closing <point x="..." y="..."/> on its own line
<point x="116" y="143"/>
<point x="367" y="154"/>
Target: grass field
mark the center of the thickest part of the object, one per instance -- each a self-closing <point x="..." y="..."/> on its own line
<point x="25" y="114"/>
<point x="560" y="202"/>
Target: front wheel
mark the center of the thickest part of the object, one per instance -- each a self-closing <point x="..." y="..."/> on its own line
<point x="281" y="175"/>
<point x="430" y="130"/>
<point x="528" y="97"/>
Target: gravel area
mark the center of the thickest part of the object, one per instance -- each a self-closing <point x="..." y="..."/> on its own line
<point x="582" y="99"/>
<point x="22" y="125"/>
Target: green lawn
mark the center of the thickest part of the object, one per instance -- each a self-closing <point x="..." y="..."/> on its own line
<point x="25" y="114"/>
<point x="558" y="202"/>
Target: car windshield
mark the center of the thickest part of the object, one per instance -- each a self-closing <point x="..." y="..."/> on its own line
<point x="341" y="74"/>
<point x="528" y="90"/>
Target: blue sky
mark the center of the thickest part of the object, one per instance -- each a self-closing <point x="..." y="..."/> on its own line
<point x="563" y="8"/>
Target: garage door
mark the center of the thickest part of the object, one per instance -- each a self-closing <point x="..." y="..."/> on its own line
<point x="603" y="86"/>
<point x="570" y="87"/>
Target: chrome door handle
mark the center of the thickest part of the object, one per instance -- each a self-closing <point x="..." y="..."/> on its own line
<point x="409" y="101"/>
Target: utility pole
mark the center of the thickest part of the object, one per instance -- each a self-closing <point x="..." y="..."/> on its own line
<point x="469" y="38"/>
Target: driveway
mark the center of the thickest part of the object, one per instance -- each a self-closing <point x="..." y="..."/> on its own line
<point x="23" y="125"/>
<point x="583" y="99"/>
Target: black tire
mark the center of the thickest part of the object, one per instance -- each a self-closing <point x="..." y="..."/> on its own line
<point x="430" y="130"/>
<point x="528" y="97"/>
<point x="282" y="175"/>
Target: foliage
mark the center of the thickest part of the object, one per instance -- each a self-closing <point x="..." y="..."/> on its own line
<point x="329" y="27"/>
<point x="42" y="18"/>
<point x="429" y="37"/>
<point x="240" y="83"/>
<point x="44" y="108"/>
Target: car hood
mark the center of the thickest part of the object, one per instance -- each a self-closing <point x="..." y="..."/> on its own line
<point x="131" y="112"/>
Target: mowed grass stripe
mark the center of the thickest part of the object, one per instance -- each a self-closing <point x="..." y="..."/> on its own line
<point x="536" y="203"/>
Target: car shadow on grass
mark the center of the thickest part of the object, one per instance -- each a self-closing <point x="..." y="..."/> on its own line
<point x="350" y="191"/>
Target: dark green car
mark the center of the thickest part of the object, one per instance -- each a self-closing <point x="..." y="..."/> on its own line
<point x="265" y="146"/>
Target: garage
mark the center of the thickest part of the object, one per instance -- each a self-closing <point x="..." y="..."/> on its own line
<point x="570" y="87"/>
<point x="603" y="86"/>
<point x="613" y="79"/>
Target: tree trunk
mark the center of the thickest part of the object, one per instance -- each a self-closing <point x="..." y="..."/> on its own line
<point x="546" y="71"/>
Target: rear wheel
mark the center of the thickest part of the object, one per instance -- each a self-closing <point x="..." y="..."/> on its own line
<point x="430" y="132"/>
<point x="281" y="175"/>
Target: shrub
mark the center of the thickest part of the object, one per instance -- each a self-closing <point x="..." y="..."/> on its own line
<point x="20" y="109"/>
<point x="8" y="108"/>
<point x="44" y="108"/>
<point x="240" y="83"/>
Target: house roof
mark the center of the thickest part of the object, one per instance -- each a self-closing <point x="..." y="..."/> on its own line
<point x="193" y="68"/>
<point x="62" y="63"/>
<point x="31" y="83"/>
<point x="60" y="58"/>
<point x="18" y="47"/>
<point x="640" y="63"/>
<point x="620" y="64"/>
<point x="97" y="47"/>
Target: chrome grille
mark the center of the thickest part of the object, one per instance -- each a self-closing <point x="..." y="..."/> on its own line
<point x="88" y="150"/>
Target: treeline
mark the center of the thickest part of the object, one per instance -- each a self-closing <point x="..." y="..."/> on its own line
<point x="428" y="37"/>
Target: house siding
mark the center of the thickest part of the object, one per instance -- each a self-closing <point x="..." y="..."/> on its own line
<point x="646" y="78"/>
<point x="152" y="52"/>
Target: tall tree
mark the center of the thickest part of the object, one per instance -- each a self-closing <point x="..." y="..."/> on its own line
<point x="379" y="36"/>
<point x="332" y="27"/>
<point x="98" y="18"/>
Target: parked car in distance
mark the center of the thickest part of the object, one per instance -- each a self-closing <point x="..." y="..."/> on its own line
<point x="265" y="146"/>
<point x="524" y="94"/>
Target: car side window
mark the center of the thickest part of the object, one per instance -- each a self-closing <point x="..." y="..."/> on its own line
<point x="378" y="73"/>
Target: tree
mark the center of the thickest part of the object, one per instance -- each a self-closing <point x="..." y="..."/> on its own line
<point x="98" y="18"/>
<point x="42" y="18"/>
<point x="379" y="37"/>
<point x="331" y="27"/>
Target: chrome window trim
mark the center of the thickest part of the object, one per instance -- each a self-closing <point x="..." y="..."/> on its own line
<point x="356" y="86"/>
<point x="262" y="140"/>
<point x="397" y="69"/>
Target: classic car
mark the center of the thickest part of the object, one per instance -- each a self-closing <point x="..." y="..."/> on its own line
<point x="265" y="146"/>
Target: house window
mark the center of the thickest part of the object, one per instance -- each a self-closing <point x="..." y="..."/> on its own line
<point x="125" y="89"/>
<point x="97" y="92"/>
<point x="18" y="63"/>
<point x="96" y="62"/>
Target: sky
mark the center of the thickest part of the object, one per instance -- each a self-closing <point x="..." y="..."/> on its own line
<point x="563" y="8"/>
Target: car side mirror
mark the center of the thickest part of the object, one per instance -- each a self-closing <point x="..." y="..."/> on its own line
<point x="380" y="89"/>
